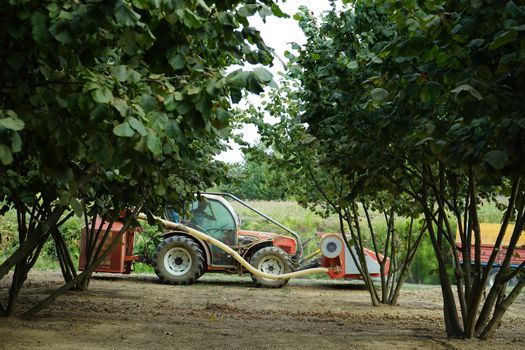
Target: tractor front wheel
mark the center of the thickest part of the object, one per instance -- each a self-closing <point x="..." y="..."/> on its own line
<point x="274" y="261"/>
<point x="178" y="260"/>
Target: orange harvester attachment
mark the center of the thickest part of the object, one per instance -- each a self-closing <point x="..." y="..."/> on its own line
<point x="338" y="259"/>
<point x="121" y="257"/>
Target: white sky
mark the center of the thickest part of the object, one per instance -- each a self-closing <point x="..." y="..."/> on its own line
<point x="278" y="33"/>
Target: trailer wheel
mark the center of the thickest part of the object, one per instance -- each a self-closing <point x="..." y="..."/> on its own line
<point x="492" y="277"/>
<point x="178" y="260"/>
<point x="274" y="261"/>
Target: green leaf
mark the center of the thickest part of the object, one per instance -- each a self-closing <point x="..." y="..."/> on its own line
<point x="193" y="90"/>
<point x="169" y="103"/>
<point x="12" y="123"/>
<point x="430" y="91"/>
<point x="497" y="159"/>
<point x="125" y="15"/>
<point x="307" y="139"/>
<point x="133" y="76"/>
<point x="123" y="130"/>
<point x="235" y="95"/>
<point x="191" y="19"/>
<point x="476" y="3"/>
<point x="222" y="118"/>
<point x="5" y="155"/>
<point x="102" y="95"/>
<point x="177" y="62"/>
<point x="278" y="12"/>
<point x="64" y="37"/>
<point x="227" y="19"/>
<point x="39" y="28"/>
<point x="468" y="88"/>
<point x="203" y="105"/>
<point x="77" y="207"/>
<point x="119" y="72"/>
<point x="157" y="120"/>
<point x="138" y="126"/>
<point x="247" y="11"/>
<point x="263" y="75"/>
<point x="504" y="38"/>
<point x="238" y="78"/>
<point x="16" y="143"/>
<point x="121" y="106"/>
<point x="154" y="144"/>
<point x="378" y="94"/>
<point x="512" y="9"/>
<point x="353" y="65"/>
<point x="204" y="5"/>
<point x="178" y="96"/>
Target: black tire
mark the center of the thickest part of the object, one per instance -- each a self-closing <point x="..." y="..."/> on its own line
<point x="178" y="260"/>
<point x="271" y="260"/>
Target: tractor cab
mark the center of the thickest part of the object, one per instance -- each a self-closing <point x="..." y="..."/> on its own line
<point x="215" y="216"/>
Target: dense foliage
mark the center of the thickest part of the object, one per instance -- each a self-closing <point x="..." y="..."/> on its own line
<point x="108" y="105"/>
<point x="417" y="98"/>
<point x="254" y="179"/>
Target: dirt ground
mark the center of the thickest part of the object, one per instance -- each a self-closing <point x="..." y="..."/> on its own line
<point x="221" y="312"/>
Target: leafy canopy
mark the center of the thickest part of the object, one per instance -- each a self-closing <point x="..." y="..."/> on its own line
<point x="115" y="102"/>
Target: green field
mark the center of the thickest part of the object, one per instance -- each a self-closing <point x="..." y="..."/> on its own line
<point x="290" y="214"/>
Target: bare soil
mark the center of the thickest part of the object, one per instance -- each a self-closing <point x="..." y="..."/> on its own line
<point x="228" y="312"/>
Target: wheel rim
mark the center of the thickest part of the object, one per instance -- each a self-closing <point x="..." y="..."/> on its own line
<point x="492" y="279"/>
<point x="177" y="261"/>
<point x="513" y="282"/>
<point x="271" y="265"/>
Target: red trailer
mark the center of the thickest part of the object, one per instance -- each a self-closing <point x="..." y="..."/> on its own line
<point x="489" y="234"/>
<point x="121" y="258"/>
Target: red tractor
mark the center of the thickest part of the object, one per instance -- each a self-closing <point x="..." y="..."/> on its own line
<point x="181" y="257"/>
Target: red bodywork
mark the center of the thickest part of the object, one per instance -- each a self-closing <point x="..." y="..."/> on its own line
<point x="486" y="250"/>
<point x="121" y="258"/>
<point x="288" y="244"/>
<point x="336" y="270"/>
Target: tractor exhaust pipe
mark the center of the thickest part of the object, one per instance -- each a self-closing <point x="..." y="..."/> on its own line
<point x="232" y="252"/>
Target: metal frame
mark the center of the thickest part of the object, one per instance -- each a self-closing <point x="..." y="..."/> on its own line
<point x="299" y="253"/>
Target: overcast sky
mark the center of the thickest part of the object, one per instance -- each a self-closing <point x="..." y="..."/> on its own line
<point x="277" y="33"/>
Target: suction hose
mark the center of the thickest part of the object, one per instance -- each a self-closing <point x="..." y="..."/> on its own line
<point x="233" y="253"/>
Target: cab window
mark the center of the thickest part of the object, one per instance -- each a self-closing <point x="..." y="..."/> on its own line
<point x="211" y="217"/>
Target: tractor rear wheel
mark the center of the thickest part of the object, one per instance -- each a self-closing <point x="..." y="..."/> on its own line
<point x="178" y="260"/>
<point x="274" y="261"/>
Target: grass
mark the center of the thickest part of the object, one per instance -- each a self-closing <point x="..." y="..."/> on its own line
<point x="288" y="213"/>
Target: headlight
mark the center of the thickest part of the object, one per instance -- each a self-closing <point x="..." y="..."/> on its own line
<point x="331" y="246"/>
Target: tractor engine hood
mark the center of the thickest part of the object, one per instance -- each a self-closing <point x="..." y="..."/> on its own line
<point x="288" y="244"/>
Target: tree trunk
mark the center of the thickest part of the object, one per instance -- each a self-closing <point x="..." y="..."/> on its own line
<point x="499" y="311"/>
<point x="450" y="314"/>
<point x="407" y="263"/>
<point x="64" y="257"/>
<point x="19" y="277"/>
<point x="25" y="249"/>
